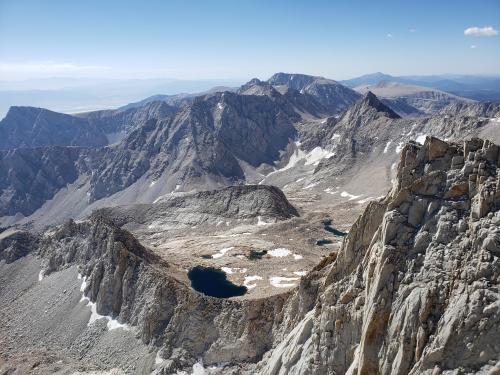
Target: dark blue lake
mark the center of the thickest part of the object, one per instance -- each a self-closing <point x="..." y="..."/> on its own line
<point x="213" y="282"/>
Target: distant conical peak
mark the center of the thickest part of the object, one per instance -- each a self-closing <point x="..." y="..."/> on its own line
<point x="371" y="100"/>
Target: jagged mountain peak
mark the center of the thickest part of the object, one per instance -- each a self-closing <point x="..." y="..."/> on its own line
<point x="371" y="102"/>
<point x="257" y="87"/>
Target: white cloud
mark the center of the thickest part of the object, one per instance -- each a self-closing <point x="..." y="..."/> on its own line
<point x="473" y="46"/>
<point x="481" y="31"/>
<point x="413" y="30"/>
<point x="389" y="35"/>
<point x="48" y="67"/>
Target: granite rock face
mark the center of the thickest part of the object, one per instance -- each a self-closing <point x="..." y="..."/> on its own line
<point x="414" y="288"/>
<point x="204" y="141"/>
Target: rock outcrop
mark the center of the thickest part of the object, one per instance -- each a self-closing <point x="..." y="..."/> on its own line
<point x="414" y="288"/>
<point x="206" y="207"/>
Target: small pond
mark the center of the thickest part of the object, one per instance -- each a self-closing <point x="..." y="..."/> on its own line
<point x="323" y="242"/>
<point x="327" y="224"/>
<point x="213" y="282"/>
<point x="256" y="254"/>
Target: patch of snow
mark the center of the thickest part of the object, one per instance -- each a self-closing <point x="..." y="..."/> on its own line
<point x="311" y="158"/>
<point x="249" y="279"/>
<point x="421" y="139"/>
<point x="198" y="369"/>
<point x="94" y="315"/>
<point x="158" y="360"/>
<point x="262" y="222"/>
<point x="220" y="106"/>
<point x="335" y="136"/>
<point x="40" y="275"/>
<point x="387" y="147"/>
<point x="297" y="156"/>
<point x="331" y="190"/>
<point x="301" y="179"/>
<point x="219" y="223"/>
<point x="282" y="282"/>
<point x="84" y="284"/>
<point x="152" y="183"/>
<point x="222" y="252"/>
<point x="177" y="187"/>
<point x="399" y="147"/>
<point x="300" y="273"/>
<point x="297" y="256"/>
<point x="411" y="130"/>
<point x="230" y="270"/>
<point x="316" y="155"/>
<point x="279" y="252"/>
<point x="345" y="194"/>
<point x="362" y="201"/>
<point x="310" y="186"/>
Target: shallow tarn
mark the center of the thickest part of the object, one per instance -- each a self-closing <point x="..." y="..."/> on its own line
<point x="213" y="282"/>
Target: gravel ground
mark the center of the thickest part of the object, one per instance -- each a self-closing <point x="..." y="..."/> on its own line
<point x="43" y="327"/>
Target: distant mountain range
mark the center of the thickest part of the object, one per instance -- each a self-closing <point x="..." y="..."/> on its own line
<point x="74" y="95"/>
<point x="481" y="88"/>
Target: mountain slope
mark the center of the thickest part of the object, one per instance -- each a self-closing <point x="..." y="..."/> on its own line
<point x="35" y="127"/>
<point x="29" y="177"/>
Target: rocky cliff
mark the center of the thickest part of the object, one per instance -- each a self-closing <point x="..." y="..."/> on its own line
<point x="414" y="288"/>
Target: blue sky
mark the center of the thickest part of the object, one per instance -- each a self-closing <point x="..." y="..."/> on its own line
<point x="240" y="39"/>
